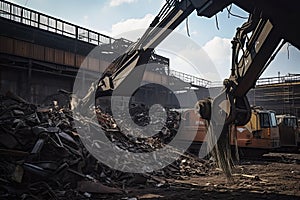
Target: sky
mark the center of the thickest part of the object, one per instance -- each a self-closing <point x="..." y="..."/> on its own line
<point x="203" y="51"/>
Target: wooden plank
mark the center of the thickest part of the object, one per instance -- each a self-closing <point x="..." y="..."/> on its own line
<point x="7" y="45"/>
<point x="22" y="48"/>
<point x="69" y="58"/>
<point x="38" y="52"/>
<point x="79" y="61"/>
<point x="59" y="56"/>
<point x="49" y="54"/>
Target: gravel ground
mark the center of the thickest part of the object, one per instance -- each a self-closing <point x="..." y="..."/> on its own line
<point x="275" y="176"/>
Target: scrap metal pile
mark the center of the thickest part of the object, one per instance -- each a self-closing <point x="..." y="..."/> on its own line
<point x="43" y="157"/>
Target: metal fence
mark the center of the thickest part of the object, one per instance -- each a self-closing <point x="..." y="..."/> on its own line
<point x="42" y="21"/>
<point x="290" y="78"/>
<point x="190" y="79"/>
<point x="39" y="20"/>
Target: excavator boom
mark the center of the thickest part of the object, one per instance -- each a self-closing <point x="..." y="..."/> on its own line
<point x="265" y="27"/>
<point x="250" y="54"/>
<point x="253" y="48"/>
<point x="170" y="16"/>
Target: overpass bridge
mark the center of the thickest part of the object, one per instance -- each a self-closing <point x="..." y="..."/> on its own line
<point x="40" y="54"/>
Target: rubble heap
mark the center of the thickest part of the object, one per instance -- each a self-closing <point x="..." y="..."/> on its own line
<point x="43" y="157"/>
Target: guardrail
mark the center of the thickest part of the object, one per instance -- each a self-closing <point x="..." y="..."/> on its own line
<point x="290" y="78"/>
<point x="39" y="20"/>
<point x="196" y="81"/>
<point x="42" y="21"/>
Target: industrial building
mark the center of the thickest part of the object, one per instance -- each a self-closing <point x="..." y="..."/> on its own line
<point x="54" y="148"/>
<point x="41" y="54"/>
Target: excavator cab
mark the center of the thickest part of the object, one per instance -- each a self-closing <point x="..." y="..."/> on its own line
<point x="288" y="132"/>
<point x="259" y="136"/>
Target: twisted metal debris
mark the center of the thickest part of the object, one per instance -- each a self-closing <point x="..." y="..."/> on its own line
<point x="42" y="156"/>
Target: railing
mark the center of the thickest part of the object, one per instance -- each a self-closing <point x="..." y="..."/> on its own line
<point x="290" y="78"/>
<point x="39" y="20"/>
<point x="190" y="79"/>
<point x="216" y="84"/>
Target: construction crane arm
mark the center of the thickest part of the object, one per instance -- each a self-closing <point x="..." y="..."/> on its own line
<point x="170" y="16"/>
<point x="250" y="57"/>
<point x="252" y="48"/>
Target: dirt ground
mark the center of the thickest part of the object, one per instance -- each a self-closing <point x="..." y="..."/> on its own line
<point x="275" y="176"/>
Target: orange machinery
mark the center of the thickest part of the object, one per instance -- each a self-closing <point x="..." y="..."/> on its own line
<point x="192" y="122"/>
<point x="259" y="135"/>
<point x="288" y="132"/>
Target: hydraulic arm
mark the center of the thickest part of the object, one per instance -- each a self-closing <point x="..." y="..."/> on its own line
<point x="170" y="16"/>
<point x="252" y="48"/>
